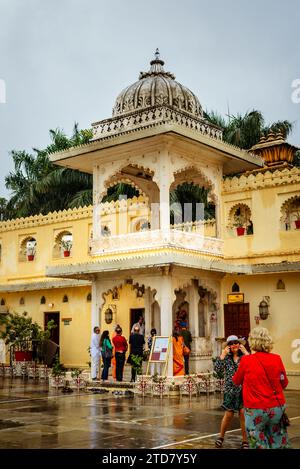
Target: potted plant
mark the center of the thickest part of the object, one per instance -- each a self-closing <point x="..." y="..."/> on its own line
<point x="239" y="223"/>
<point x="76" y="375"/>
<point x="58" y="373"/>
<point x="66" y="246"/>
<point x="23" y="335"/>
<point x="297" y="219"/>
<point x="30" y="251"/>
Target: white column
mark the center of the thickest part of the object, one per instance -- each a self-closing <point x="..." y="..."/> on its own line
<point x="166" y="297"/>
<point x="96" y="204"/>
<point x="193" y="310"/>
<point x="165" y="179"/>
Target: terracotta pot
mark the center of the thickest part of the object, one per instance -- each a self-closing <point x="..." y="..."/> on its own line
<point x="240" y="230"/>
<point x="297" y="223"/>
<point x="23" y="356"/>
<point x="66" y="253"/>
<point x="30" y="257"/>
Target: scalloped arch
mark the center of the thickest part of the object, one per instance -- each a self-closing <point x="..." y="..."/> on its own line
<point x="62" y="233"/>
<point x="209" y="184"/>
<point x="116" y="177"/>
<point x="287" y="202"/>
<point x="234" y="208"/>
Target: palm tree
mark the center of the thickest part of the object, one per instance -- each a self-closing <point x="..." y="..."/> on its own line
<point x="244" y="131"/>
<point x="188" y="193"/>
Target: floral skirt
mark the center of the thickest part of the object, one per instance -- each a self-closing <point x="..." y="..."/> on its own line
<point x="264" y="429"/>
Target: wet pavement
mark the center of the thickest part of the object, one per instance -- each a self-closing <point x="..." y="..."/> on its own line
<point x="32" y="416"/>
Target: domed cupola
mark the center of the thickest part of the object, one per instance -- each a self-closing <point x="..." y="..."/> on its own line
<point x="157" y="88"/>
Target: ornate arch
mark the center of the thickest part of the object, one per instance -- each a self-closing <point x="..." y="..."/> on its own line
<point x="204" y="180"/>
<point x="242" y="219"/>
<point x="26" y="250"/>
<point x="290" y="213"/>
<point x="114" y="176"/>
<point x="57" y="246"/>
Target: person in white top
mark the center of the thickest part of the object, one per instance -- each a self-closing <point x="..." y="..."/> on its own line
<point x="140" y="324"/>
<point x="95" y="353"/>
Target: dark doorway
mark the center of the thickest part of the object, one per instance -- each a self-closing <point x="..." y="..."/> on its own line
<point x="237" y="319"/>
<point x="135" y="313"/>
<point x="54" y="332"/>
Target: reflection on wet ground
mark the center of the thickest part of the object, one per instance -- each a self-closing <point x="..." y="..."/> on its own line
<point x="34" y="417"/>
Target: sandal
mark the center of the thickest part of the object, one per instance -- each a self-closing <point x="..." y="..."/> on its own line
<point x="245" y="445"/>
<point x="219" y="442"/>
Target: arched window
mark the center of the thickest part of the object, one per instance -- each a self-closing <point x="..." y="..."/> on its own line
<point x="290" y="214"/>
<point x="27" y="250"/>
<point x="43" y="300"/>
<point x="235" y="288"/>
<point x="65" y="299"/>
<point x="2" y="302"/>
<point x="22" y="301"/>
<point x="63" y="244"/>
<point x="240" y="222"/>
<point x="89" y="297"/>
<point x="280" y="285"/>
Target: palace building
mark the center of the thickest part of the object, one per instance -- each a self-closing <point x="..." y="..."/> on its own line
<point x="107" y="264"/>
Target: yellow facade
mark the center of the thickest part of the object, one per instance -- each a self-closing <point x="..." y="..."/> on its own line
<point x="128" y="256"/>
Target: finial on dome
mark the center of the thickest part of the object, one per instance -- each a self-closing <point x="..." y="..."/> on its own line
<point x="157" y="54"/>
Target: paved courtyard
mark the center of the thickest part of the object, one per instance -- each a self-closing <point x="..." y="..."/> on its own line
<point x="31" y="416"/>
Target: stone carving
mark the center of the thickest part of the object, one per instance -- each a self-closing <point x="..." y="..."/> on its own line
<point x="146" y="240"/>
<point x="157" y="88"/>
<point x="150" y="118"/>
<point x="262" y="179"/>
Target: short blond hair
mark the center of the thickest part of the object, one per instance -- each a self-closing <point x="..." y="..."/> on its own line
<point x="260" y="340"/>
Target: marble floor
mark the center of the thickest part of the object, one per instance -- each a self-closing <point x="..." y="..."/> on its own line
<point x="32" y="416"/>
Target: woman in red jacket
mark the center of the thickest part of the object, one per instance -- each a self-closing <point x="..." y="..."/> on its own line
<point x="263" y="377"/>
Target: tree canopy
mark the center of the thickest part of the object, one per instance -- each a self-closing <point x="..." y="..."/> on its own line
<point x="37" y="186"/>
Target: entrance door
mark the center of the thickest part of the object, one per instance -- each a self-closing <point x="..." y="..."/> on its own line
<point x="135" y="313"/>
<point x="54" y="332"/>
<point x="237" y="319"/>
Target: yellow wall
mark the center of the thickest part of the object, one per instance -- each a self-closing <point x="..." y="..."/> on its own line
<point x="127" y="300"/>
<point x="75" y="337"/>
<point x="284" y="320"/>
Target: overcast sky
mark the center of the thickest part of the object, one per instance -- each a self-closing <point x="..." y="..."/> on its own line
<point x="66" y="60"/>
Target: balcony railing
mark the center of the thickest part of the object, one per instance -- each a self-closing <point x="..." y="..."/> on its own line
<point x="150" y="239"/>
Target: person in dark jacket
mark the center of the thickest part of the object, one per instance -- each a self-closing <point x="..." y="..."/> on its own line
<point x="136" y="341"/>
<point x="187" y="339"/>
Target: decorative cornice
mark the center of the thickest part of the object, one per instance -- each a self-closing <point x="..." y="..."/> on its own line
<point x="261" y="179"/>
<point x="152" y="117"/>
<point x="72" y="214"/>
<point x="52" y="217"/>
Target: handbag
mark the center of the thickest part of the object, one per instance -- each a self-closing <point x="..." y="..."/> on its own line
<point x="107" y="352"/>
<point x="285" y="421"/>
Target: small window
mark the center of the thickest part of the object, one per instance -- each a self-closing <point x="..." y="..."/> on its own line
<point x="43" y="300"/>
<point x="89" y="298"/>
<point x="3" y="302"/>
<point x="65" y="299"/>
<point x="280" y="285"/>
<point x="22" y="301"/>
<point x="235" y="288"/>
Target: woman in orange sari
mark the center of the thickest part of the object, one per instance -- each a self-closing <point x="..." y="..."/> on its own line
<point x="178" y="360"/>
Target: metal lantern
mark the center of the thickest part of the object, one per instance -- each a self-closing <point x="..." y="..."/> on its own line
<point x="263" y="309"/>
<point x="108" y="316"/>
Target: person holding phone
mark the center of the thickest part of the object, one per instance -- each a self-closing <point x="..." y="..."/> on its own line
<point x="227" y="364"/>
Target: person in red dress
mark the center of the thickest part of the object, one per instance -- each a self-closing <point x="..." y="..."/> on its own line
<point x="263" y="377"/>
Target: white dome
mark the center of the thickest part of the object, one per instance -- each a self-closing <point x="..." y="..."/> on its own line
<point x="157" y="88"/>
